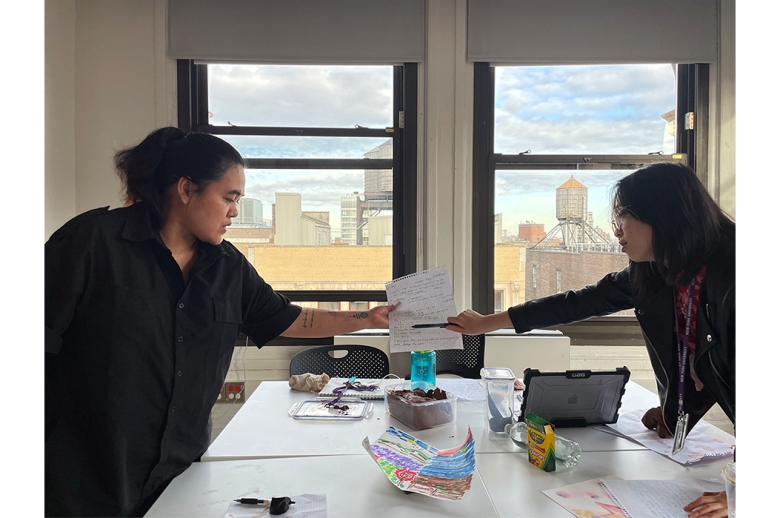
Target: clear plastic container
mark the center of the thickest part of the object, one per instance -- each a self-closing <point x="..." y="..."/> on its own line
<point x="730" y="476"/>
<point x="349" y="409"/>
<point x="499" y="399"/>
<point x="423" y="414"/>
<point x="567" y="452"/>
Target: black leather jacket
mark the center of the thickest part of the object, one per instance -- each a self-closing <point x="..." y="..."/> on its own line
<point x="715" y="330"/>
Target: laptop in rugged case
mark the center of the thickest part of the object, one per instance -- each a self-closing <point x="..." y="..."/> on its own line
<point x="575" y="397"/>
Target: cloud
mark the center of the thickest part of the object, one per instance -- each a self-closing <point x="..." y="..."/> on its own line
<point x="292" y="95"/>
<point x="306" y="147"/>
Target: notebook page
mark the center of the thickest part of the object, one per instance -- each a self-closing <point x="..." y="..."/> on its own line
<point x="425" y="297"/>
<point x="657" y="498"/>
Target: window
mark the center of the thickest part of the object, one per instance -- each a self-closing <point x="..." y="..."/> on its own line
<point x="359" y="306"/>
<point x="549" y="144"/>
<point x="498" y="297"/>
<point x="329" y="213"/>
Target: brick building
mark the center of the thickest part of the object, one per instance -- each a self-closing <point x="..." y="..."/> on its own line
<point x="551" y="271"/>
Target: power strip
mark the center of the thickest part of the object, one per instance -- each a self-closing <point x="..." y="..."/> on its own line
<point x="232" y="392"/>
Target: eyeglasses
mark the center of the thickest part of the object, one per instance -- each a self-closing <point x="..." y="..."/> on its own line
<point x="619" y="218"/>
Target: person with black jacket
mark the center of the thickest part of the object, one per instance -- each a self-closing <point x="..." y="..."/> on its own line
<point x="680" y="281"/>
<point x="144" y="304"/>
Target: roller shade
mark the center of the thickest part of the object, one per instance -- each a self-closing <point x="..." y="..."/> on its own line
<point x="593" y="31"/>
<point x="297" y="31"/>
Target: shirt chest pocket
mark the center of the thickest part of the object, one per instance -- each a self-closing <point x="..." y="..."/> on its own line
<point x="228" y="319"/>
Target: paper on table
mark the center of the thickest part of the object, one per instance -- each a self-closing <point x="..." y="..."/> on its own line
<point x="698" y="445"/>
<point x="586" y="499"/>
<point x="464" y="388"/>
<point x="425" y="297"/>
<point x="308" y="506"/>
<point x="657" y="498"/>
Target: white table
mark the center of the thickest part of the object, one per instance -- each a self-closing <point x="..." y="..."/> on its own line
<point x="262" y="429"/>
<point x="354" y="485"/>
<point x="503" y="485"/>
<point x="275" y="455"/>
<point x="514" y="484"/>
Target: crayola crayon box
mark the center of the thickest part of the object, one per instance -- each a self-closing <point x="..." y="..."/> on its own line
<point x="541" y="442"/>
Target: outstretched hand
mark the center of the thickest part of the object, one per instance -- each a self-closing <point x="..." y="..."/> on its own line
<point x="468" y="322"/>
<point x="379" y="316"/>
<point x="708" y="505"/>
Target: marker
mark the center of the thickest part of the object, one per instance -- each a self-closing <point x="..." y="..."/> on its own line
<point x="424" y="326"/>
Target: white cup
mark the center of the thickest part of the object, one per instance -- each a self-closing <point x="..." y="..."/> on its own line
<point x="730" y="476"/>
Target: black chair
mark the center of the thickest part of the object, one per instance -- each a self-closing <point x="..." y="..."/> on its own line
<point x="466" y="362"/>
<point x="362" y="361"/>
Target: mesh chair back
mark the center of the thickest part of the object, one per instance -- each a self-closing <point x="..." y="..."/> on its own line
<point x="466" y="362"/>
<point x="362" y="361"/>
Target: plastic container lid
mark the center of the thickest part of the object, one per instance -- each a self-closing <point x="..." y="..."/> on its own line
<point x="496" y="373"/>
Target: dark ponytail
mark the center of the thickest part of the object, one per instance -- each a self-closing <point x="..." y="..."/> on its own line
<point x="149" y="169"/>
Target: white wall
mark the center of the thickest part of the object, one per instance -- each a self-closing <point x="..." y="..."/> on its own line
<point x="108" y="85"/>
<point x="722" y="146"/>
<point x="59" y="88"/>
<point x="447" y="82"/>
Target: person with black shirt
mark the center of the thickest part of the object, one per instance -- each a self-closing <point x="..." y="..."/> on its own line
<point x="680" y="281"/>
<point x="143" y="306"/>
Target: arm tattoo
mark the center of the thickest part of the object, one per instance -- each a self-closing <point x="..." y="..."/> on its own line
<point x="305" y="318"/>
<point x="362" y="314"/>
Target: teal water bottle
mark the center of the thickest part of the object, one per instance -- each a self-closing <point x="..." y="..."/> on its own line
<point x="423" y="370"/>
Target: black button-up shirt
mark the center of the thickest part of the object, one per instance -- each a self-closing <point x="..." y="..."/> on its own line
<point x="135" y="358"/>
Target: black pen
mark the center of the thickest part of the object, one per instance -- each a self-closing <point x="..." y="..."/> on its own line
<point x="253" y="501"/>
<point x="423" y="326"/>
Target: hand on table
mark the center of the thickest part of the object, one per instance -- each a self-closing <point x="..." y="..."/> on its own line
<point x="654" y="420"/>
<point x="708" y="505"/>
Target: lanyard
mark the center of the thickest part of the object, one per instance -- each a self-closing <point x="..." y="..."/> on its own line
<point x="682" y="347"/>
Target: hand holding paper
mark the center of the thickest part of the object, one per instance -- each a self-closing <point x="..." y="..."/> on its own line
<point x="425" y="298"/>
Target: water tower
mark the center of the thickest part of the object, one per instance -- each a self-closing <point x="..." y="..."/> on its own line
<point x="574" y="233"/>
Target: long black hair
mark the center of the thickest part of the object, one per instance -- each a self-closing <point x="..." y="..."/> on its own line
<point x="149" y="169"/>
<point x="687" y="223"/>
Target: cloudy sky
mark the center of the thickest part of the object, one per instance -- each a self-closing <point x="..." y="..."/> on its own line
<point x="548" y="110"/>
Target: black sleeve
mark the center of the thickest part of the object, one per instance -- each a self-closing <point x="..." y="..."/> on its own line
<point x="64" y="283"/>
<point x="607" y="296"/>
<point x="268" y="313"/>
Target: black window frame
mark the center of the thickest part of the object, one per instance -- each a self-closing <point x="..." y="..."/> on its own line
<point x="192" y="89"/>
<point x="690" y="144"/>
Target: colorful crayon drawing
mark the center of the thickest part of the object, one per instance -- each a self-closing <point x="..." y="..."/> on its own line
<point x="412" y="465"/>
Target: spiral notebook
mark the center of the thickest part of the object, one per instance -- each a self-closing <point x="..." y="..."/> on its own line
<point x="657" y="498"/>
<point x="379" y="393"/>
